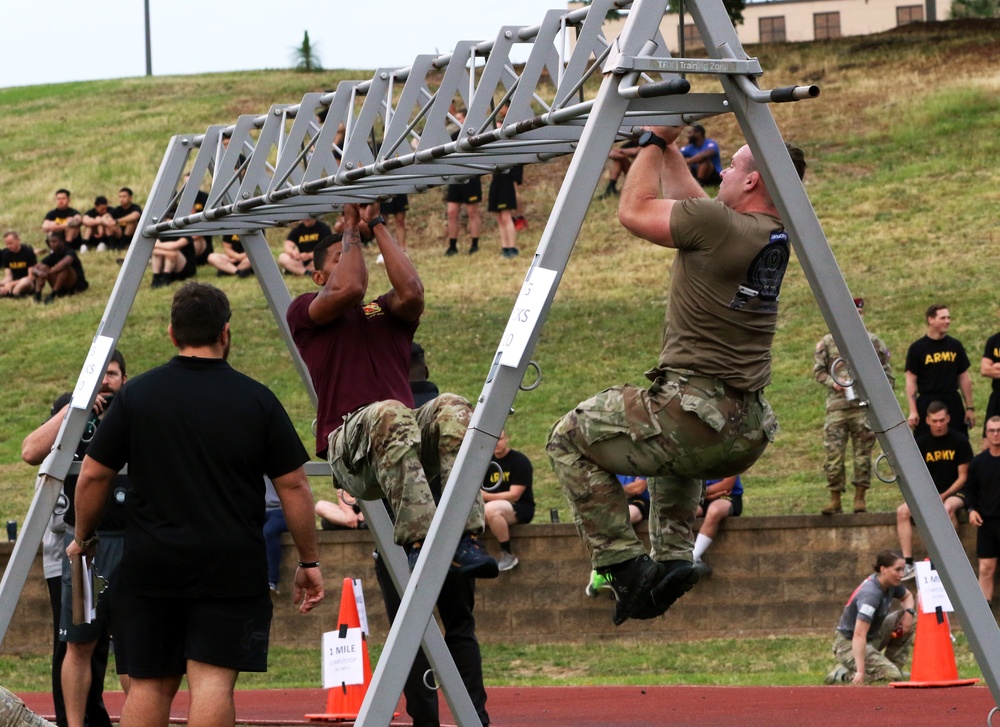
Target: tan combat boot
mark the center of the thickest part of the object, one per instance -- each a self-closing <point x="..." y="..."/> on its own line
<point x="859" y="499"/>
<point x="834" y="508"/>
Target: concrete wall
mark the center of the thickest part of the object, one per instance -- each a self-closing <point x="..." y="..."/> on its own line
<point x="773" y="575"/>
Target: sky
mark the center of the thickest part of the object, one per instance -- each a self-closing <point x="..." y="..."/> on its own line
<point x="55" y="41"/>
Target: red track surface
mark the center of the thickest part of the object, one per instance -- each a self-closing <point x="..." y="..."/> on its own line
<point x="647" y="706"/>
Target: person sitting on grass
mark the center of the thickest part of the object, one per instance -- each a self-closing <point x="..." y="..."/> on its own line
<point x="61" y="269"/>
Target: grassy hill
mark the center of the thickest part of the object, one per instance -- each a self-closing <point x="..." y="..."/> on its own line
<point x="902" y="148"/>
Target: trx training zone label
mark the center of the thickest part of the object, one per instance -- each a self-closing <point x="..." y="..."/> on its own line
<point x="524" y="317"/>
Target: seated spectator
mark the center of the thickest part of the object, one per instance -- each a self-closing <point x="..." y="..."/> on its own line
<point x="126" y="214"/>
<point x="232" y="260"/>
<point x="99" y="227"/>
<point x="703" y="158"/>
<point x="16" y="260"/>
<point x="721" y="499"/>
<point x="274" y="526"/>
<point x="874" y="637"/>
<point x="173" y="260"/>
<point x="947" y="454"/>
<point x="620" y="158"/>
<point x="340" y="515"/>
<point x="63" y="219"/>
<point x="507" y="496"/>
<point x="423" y="390"/>
<point x="297" y="256"/>
<point x="637" y="492"/>
<point x="61" y="269"/>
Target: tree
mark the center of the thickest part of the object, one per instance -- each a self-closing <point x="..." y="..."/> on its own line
<point x="305" y="56"/>
<point x="976" y="9"/>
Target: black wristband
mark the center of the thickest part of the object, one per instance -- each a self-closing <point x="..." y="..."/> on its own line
<point x="648" y="138"/>
<point x="379" y="220"/>
<point x="313" y="564"/>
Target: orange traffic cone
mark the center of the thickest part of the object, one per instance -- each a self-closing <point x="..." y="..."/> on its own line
<point x="933" y="656"/>
<point x="344" y="702"/>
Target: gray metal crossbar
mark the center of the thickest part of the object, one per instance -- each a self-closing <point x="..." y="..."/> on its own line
<point x="399" y="132"/>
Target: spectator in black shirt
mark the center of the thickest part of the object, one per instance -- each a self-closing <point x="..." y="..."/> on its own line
<point x="936" y="367"/>
<point x="16" y="260"/>
<point x="982" y="497"/>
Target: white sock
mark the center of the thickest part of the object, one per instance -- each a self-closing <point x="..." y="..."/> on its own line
<point x="701" y="544"/>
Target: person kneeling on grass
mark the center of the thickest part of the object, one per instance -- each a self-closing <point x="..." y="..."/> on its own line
<point x="875" y="634"/>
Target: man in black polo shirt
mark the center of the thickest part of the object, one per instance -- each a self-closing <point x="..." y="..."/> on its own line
<point x="198" y="438"/>
<point x="936" y="367"/>
<point x="982" y="497"/>
<point x="947" y="454"/>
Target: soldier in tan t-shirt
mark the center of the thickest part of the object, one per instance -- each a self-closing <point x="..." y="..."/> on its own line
<point x="705" y="416"/>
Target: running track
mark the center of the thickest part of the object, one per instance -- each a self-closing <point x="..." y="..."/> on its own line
<point x="646" y="706"/>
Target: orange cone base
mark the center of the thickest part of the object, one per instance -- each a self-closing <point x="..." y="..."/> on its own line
<point x="941" y="683"/>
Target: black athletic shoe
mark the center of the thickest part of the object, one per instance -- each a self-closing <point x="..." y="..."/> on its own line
<point x="451" y="251"/>
<point x="471" y="559"/>
<point x="680" y="576"/>
<point x="631" y="586"/>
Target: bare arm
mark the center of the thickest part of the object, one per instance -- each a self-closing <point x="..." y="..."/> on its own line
<point x="958" y="484"/>
<point x="911" y="399"/>
<point x="640" y="209"/>
<point x="858" y="646"/>
<point x="989" y="368"/>
<point x="720" y="488"/>
<point x="636" y="487"/>
<point x="91" y="497"/>
<point x="406" y="299"/>
<point x="346" y="286"/>
<point x="37" y="445"/>
<point x="297" y="504"/>
<point x="965" y="384"/>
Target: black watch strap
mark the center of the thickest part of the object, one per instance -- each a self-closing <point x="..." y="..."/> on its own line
<point x="379" y="220"/>
<point x="648" y="138"/>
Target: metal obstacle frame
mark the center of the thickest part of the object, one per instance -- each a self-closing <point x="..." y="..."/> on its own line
<point x="393" y="134"/>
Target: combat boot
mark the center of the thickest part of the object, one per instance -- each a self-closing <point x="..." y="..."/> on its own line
<point x="834" y="508"/>
<point x="859" y="499"/>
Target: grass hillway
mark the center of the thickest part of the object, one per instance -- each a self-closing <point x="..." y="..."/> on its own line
<point x="901" y="147"/>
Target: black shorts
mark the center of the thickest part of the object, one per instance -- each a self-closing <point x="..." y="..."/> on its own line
<point x="642" y="505"/>
<point x="470" y="192"/>
<point x="503" y="196"/>
<point x="523" y="512"/>
<point x="517" y="174"/>
<point x="160" y="635"/>
<point x="395" y="205"/>
<point x="988" y="538"/>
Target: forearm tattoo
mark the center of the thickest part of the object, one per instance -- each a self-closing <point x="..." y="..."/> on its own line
<point x="351" y="238"/>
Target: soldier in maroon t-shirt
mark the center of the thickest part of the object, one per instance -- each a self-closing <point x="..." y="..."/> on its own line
<point x="358" y="354"/>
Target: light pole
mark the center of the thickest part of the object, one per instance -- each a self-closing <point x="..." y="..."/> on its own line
<point x="149" y="50"/>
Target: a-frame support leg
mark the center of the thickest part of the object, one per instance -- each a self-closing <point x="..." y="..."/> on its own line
<point x="845" y="324"/>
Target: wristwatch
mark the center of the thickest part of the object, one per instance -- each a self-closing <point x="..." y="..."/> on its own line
<point x="649" y="138"/>
<point x="379" y="220"/>
<point x="910" y="611"/>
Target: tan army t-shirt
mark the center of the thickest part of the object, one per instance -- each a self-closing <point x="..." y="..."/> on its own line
<point x="724" y="292"/>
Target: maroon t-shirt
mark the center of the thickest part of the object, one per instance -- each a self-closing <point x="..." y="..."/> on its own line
<point x="358" y="359"/>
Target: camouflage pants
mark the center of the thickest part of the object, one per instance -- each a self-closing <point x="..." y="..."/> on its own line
<point x="683" y="429"/>
<point x="839" y="426"/>
<point x="388" y="450"/>
<point x="885" y="657"/>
